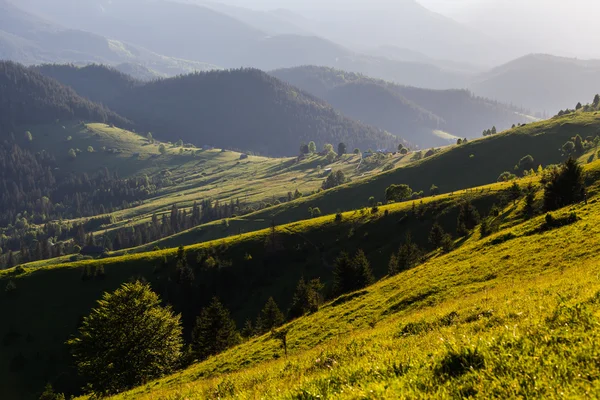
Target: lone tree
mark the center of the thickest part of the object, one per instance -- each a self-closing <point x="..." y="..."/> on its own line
<point x="408" y="257"/>
<point x="307" y="298"/>
<point x="342" y="149"/>
<point x="468" y="218"/>
<point x="270" y="317"/>
<point x="351" y="274"/>
<point x="214" y="332"/>
<point x="312" y="147"/>
<point x="398" y="193"/>
<point x="127" y="340"/>
<point x="162" y="149"/>
<point x="564" y="186"/>
<point x="436" y="235"/>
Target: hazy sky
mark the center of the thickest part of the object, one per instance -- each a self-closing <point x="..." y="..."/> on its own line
<point x="563" y="27"/>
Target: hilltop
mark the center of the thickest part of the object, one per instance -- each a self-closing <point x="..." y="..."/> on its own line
<point x="415" y="114"/>
<point x="238" y="109"/>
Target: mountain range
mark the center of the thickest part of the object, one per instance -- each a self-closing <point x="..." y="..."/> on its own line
<point x="421" y="116"/>
<point x="242" y="109"/>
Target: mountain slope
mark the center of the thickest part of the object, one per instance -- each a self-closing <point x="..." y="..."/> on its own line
<point x="410" y="112"/>
<point x="238" y="109"/>
<point x="541" y="82"/>
<point x="28" y="97"/>
<point x="487" y="282"/>
<point x="29" y="39"/>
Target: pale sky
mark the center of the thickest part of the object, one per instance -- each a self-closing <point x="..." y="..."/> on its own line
<point x="561" y="27"/>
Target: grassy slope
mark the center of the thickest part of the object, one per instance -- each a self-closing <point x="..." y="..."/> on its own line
<point x="451" y="170"/>
<point x="50" y="299"/>
<point x="514" y="319"/>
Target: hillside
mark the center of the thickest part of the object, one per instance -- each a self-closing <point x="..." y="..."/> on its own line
<point x="29" y="39"/>
<point x="239" y="109"/>
<point x="46" y="99"/>
<point x="412" y="113"/>
<point x="462" y="324"/>
<point x="453" y="170"/>
<point x="541" y="82"/>
<point x="465" y="281"/>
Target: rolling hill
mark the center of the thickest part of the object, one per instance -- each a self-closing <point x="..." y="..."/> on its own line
<point x="540" y="82"/>
<point x="238" y="109"/>
<point x="412" y="113"/>
<point x="501" y="276"/>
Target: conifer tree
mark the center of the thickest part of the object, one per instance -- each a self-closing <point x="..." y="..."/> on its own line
<point x="270" y="317"/>
<point x="436" y="235"/>
<point x="343" y="274"/>
<point x="214" y="331"/>
<point x="363" y="272"/>
<point x="307" y="298"/>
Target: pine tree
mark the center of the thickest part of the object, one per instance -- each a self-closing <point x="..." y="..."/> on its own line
<point x="468" y="218"/>
<point x="409" y="254"/>
<point x="270" y="317"/>
<point x="363" y="272"/>
<point x="307" y="298"/>
<point x="344" y="276"/>
<point x="214" y="331"/>
<point x="436" y="235"/>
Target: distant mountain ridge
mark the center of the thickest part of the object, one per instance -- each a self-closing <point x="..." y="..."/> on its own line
<point x="541" y="82"/>
<point x="412" y="113"/>
<point x="30" y="39"/>
<point x="244" y="109"/>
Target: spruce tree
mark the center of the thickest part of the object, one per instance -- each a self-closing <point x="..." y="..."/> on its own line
<point x="307" y="298"/>
<point x="468" y="218"/>
<point x="343" y="275"/>
<point x="214" y="331"/>
<point x="436" y="235"/>
<point x="409" y="254"/>
<point x="270" y="317"/>
<point x="363" y="272"/>
<point x="564" y="186"/>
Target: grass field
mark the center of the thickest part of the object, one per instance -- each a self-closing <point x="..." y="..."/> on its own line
<point x="514" y="315"/>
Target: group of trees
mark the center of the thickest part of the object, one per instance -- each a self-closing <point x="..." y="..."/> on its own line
<point x="334" y="179"/>
<point x="351" y="273"/>
<point x="594" y="106"/>
<point x="489" y="132"/>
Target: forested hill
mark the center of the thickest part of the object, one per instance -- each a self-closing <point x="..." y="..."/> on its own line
<point x="99" y="83"/>
<point x="27" y="97"/>
<point x="243" y="109"/>
<point x="410" y="112"/>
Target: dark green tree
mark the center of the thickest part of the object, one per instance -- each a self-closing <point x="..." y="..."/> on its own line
<point x="579" y="148"/>
<point x="409" y="256"/>
<point x="515" y="192"/>
<point x="307" y="298"/>
<point x="342" y="149"/>
<point x="564" y="186"/>
<point x="529" y="209"/>
<point x="344" y="275"/>
<point x="436" y="235"/>
<point x="214" y="331"/>
<point x="398" y="192"/>
<point x="364" y="273"/>
<point x="270" y="317"/>
<point x="127" y="340"/>
<point x="468" y="218"/>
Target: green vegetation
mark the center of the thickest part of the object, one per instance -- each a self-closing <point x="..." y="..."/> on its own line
<point x="127" y="340"/>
